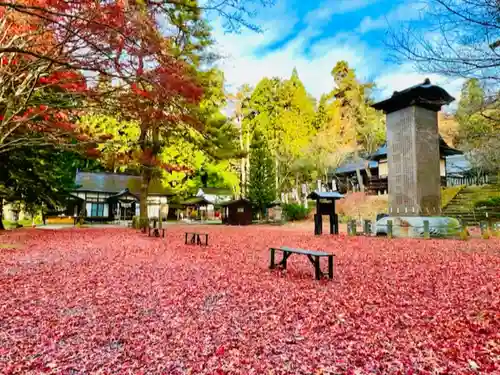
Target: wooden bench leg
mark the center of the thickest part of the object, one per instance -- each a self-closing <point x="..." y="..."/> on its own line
<point x="286" y="255"/>
<point x="186" y="239"/>
<point x="317" y="268"/>
<point x="272" y="265"/>
<point x="330" y="266"/>
<point x="193" y="238"/>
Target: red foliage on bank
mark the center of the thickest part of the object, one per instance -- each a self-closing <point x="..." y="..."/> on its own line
<point x="117" y="301"/>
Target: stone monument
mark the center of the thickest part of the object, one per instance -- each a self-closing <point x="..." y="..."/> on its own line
<point x="413" y="151"/>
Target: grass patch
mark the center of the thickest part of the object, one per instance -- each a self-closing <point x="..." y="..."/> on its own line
<point x="448" y="193"/>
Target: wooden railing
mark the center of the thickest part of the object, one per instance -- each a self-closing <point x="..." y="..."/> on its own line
<point x="377" y="185"/>
<point x="471" y="180"/>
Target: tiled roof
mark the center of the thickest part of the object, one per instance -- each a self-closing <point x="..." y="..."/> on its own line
<point x="229" y="203"/>
<point x="381" y="153"/>
<point x="115" y="183"/>
<point x="217" y="191"/>
<point x="325" y="195"/>
<point x="195" y="201"/>
<point x="424" y="94"/>
<point x="352" y="166"/>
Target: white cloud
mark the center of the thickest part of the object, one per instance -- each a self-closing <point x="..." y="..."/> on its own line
<point x="243" y="65"/>
<point x="330" y="7"/>
<point x="403" y="12"/>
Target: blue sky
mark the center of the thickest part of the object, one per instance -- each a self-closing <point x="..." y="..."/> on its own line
<point x="313" y="35"/>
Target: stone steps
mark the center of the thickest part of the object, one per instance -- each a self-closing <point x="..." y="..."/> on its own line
<point x="462" y="205"/>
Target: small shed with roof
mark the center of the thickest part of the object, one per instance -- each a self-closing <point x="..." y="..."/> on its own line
<point x="237" y="212"/>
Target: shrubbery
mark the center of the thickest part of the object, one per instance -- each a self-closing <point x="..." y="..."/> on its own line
<point x="490" y="202"/>
<point x="295" y="211"/>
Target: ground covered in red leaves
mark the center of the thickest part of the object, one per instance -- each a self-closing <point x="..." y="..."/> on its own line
<point x="113" y="301"/>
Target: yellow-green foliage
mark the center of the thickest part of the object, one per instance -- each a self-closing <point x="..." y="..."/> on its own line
<point x="464" y="234"/>
<point x="448" y="193"/>
<point x="486" y="234"/>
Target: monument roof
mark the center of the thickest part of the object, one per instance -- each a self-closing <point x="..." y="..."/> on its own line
<point x="325" y="195"/>
<point x="424" y="95"/>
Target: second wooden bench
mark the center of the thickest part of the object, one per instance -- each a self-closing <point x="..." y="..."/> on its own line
<point x="195" y="238"/>
<point x="313" y="256"/>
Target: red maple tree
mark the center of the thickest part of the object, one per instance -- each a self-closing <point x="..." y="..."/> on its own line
<point x="58" y="46"/>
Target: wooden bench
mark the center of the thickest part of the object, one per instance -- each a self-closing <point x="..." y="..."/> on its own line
<point x="156" y="232"/>
<point x="313" y="256"/>
<point x="195" y="238"/>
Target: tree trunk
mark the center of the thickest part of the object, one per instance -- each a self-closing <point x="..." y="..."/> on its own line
<point x="358" y="173"/>
<point x="360" y="180"/>
<point x="243" y="178"/>
<point x="276" y="166"/>
<point x="1" y="214"/>
<point x="143" y="198"/>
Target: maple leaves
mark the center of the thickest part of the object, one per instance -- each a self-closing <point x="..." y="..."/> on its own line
<point x="50" y="47"/>
<point x="104" y="300"/>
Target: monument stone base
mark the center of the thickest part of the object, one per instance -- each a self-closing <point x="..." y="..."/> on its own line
<point x="413" y="226"/>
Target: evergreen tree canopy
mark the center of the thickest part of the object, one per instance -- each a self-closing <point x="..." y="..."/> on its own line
<point x="261" y="187"/>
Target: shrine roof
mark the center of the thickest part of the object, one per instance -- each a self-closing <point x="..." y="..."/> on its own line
<point x="424" y="95"/>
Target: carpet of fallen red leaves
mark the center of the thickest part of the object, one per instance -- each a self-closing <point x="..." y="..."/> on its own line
<point x="114" y="301"/>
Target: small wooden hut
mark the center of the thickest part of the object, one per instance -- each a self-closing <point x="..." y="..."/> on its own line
<point x="237" y="212"/>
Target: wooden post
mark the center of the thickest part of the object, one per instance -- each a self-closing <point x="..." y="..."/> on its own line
<point x="332" y="224"/>
<point x="336" y="223"/>
<point x="389" y="228"/>
<point x="285" y="258"/>
<point x="318" y="224"/>
<point x="367" y="227"/>
<point x="330" y="266"/>
<point x="427" y="233"/>
<point x="317" y="268"/>
<point x="271" y="266"/>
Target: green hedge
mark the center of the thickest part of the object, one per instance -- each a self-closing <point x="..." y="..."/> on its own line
<point x="295" y="211"/>
<point x="490" y="202"/>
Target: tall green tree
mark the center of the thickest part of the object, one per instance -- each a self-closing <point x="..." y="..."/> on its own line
<point x="297" y="130"/>
<point x="321" y="115"/>
<point x="242" y="112"/>
<point x="261" y="186"/>
<point x="284" y="114"/>
<point x="361" y="126"/>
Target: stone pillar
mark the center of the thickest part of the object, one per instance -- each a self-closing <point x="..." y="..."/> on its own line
<point x="413" y="162"/>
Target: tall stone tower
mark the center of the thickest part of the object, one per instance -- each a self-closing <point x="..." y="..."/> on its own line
<point x="413" y="149"/>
